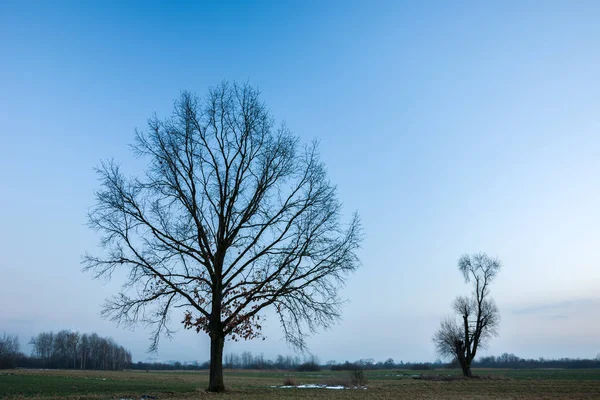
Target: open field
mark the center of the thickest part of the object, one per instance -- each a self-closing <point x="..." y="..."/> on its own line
<point x="387" y="384"/>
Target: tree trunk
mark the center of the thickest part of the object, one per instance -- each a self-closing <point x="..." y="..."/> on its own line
<point x="215" y="383"/>
<point x="463" y="359"/>
<point x="467" y="370"/>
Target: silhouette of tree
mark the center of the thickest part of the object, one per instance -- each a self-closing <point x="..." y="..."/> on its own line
<point x="479" y="316"/>
<point x="231" y="216"/>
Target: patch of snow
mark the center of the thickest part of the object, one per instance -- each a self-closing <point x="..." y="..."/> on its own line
<point x="316" y="386"/>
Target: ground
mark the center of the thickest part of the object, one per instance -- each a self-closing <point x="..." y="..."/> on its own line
<point x="386" y="384"/>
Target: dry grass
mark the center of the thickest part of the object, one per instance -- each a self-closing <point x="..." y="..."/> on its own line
<point x="97" y="385"/>
<point x="337" y="381"/>
<point x="290" y="381"/>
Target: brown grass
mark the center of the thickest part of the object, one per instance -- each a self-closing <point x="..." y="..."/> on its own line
<point x="290" y="381"/>
<point x="256" y="385"/>
<point x="337" y="381"/>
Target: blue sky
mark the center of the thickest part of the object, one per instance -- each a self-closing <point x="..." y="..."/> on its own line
<point x="450" y="128"/>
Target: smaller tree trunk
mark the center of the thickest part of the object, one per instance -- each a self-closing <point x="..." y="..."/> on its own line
<point x="215" y="383"/>
<point x="463" y="359"/>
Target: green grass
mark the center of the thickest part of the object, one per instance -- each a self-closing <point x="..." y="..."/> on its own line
<point x="49" y="385"/>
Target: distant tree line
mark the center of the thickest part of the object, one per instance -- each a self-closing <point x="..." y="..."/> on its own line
<point x="71" y="350"/>
<point x="248" y="361"/>
<point x="65" y="350"/>
<point x="170" y="366"/>
<point x="245" y="360"/>
<point x="370" y="364"/>
<point x="509" y="360"/>
<point x="10" y="351"/>
<point x="506" y="360"/>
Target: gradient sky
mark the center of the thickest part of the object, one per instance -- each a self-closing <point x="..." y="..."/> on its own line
<point x="451" y="129"/>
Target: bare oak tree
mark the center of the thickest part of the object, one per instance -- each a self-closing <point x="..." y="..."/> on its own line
<point x="232" y="216"/>
<point x="479" y="316"/>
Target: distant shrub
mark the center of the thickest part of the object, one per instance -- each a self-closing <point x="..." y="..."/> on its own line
<point x="309" y="366"/>
<point x="290" y="381"/>
<point x="357" y="376"/>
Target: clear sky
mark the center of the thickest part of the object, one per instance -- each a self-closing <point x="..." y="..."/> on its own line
<point x="450" y="127"/>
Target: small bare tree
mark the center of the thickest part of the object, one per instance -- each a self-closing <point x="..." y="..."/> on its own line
<point x="231" y="217"/>
<point x="479" y="316"/>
